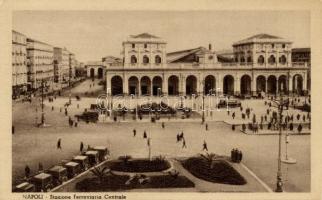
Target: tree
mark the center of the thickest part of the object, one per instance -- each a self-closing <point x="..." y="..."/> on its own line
<point x="211" y="159"/>
<point x="101" y="173"/>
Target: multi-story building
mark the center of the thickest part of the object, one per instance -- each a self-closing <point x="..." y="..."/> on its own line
<point x="262" y="65"/>
<point x="40" y="63"/>
<point x="303" y="55"/>
<point x="19" y="64"/>
<point x="61" y="65"/>
<point x="72" y="65"/>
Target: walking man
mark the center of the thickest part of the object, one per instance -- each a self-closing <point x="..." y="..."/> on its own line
<point x="204" y="146"/>
<point x="59" y="144"/>
<point x="144" y="135"/>
<point x="134" y="132"/>
<point x="162" y="125"/>
<point x="206" y="127"/>
<point x="81" y="147"/>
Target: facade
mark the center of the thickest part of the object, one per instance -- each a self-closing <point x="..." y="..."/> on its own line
<point x="262" y="65"/>
<point x="62" y="66"/>
<point x="19" y="63"/>
<point x="40" y="63"/>
<point x="95" y="69"/>
<point x="303" y="55"/>
<point x="72" y="65"/>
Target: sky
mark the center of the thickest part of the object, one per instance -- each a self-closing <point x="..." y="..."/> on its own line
<point x="92" y="35"/>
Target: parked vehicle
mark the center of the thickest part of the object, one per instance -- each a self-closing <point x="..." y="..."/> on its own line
<point x="59" y="174"/>
<point x="73" y="168"/>
<point x="88" y="116"/>
<point x="103" y="152"/>
<point x="43" y="182"/>
<point x="231" y="103"/>
<point x="92" y="157"/>
<point x="25" y="187"/>
<point x="83" y="162"/>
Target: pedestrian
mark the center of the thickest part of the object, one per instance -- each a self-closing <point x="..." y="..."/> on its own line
<point x="27" y="171"/>
<point x="206" y="127"/>
<point x="59" y="144"/>
<point x="66" y="112"/>
<point x="144" y="134"/>
<point x="52" y="108"/>
<point x="134" y="132"/>
<point x="204" y="146"/>
<point x="60" y="109"/>
<point x="162" y="125"/>
<point x="184" y="143"/>
<point x="233" y="115"/>
<point x="81" y="147"/>
<point x="181" y="136"/>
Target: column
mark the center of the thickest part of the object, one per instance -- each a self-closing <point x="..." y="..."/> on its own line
<point x="108" y="85"/>
<point x="200" y="85"/>
<point x="219" y="85"/>
<point x="266" y="85"/>
<point x="182" y="85"/>
<point x="277" y="86"/>
<point x="237" y="85"/>
<point x="164" y="85"/>
<point x="151" y="87"/>
<point x="125" y="85"/>
<point x="290" y="84"/>
<point x="304" y="83"/>
<point x="253" y="86"/>
<point x="139" y="87"/>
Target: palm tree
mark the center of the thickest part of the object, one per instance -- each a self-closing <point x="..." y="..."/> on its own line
<point x="211" y="158"/>
<point x="101" y="173"/>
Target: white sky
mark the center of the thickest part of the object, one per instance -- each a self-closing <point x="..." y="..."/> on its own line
<point x="94" y="34"/>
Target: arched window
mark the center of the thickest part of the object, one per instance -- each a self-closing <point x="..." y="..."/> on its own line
<point x="249" y="59"/>
<point x="271" y="60"/>
<point x="242" y="59"/>
<point x="145" y="59"/>
<point x="133" y="59"/>
<point x="282" y="60"/>
<point x="157" y="59"/>
<point x="260" y="60"/>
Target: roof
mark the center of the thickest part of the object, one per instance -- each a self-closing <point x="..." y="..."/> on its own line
<point x="91" y="152"/>
<point x="57" y="168"/>
<point x="80" y="157"/>
<point x="176" y="55"/>
<point x="100" y="148"/>
<point x="262" y="38"/>
<point x="14" y="31"/>
<point x="301" y="50"/>
<point x="42" y="176"/>
<point x="73" y="164"/>
<point x="33" y="40"/>
<point x="144" y="35"/>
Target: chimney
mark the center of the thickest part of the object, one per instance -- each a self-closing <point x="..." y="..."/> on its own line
<point x="210" y="47"/>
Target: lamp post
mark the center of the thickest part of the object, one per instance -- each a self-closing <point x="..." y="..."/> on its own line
<point x="281" y="103"/>
<point x="203" y="104"/>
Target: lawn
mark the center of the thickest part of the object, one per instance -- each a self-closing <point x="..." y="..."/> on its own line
<point x="217" y="171"/>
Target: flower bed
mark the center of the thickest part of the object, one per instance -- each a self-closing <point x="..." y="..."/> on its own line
<point x="219" y="171"/>
<point x="139" y="165"/>
<point x="118" y="183"/>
